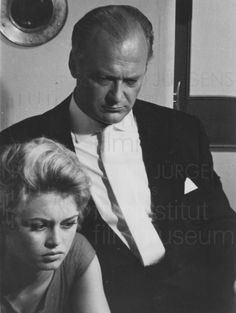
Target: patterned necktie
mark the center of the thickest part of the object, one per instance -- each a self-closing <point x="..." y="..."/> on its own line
<point x="134" y="221"/>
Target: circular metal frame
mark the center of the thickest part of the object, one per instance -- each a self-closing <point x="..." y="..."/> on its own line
<point x="35" y="36"/>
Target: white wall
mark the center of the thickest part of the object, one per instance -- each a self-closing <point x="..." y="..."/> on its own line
<point x="213" y="61"/>
<point x="36" y="79"/>
<point x="225" y="166"/>
<point x="213" y="69"/>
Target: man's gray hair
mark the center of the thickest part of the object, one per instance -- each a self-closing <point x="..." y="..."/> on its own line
<point x="117" y="20"/>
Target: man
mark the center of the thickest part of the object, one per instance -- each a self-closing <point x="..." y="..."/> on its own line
<point x="139" y="156"/>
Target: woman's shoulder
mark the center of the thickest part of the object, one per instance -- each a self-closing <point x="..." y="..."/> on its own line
<point x="79" y="256"/>
<point x="74" y="265"/>
<point x="80" y="246"/>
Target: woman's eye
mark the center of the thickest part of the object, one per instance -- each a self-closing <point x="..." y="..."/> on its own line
<point x="69" y="224"/>
<point x="37" y="227"/>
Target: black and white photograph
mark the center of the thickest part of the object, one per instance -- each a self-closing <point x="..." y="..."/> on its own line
<point x="118" y="156"/>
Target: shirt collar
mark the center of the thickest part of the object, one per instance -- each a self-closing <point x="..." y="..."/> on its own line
<point x="81" y="123"/>
<point x="128" y="123"/>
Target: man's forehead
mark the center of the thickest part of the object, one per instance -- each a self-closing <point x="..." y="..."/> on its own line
<point x="115" y="65"/>
<point x="103" y="39"/>
<point x="103" y="47"/>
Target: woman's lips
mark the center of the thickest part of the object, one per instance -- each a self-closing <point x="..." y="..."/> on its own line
<point x="52" y="253"/>
<point x="51" y="257"/>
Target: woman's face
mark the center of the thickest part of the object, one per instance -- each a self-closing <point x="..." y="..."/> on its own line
<point x="46" y="226"/>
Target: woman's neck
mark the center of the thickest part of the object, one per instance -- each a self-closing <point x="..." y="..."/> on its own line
<point x="23" y="286"/>
<point x="18" y="275"/>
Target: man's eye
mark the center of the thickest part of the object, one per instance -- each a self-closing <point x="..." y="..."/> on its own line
<point x="67" y="225"/>
<point x="102" y="80"/>
<point x="131" y="82"/>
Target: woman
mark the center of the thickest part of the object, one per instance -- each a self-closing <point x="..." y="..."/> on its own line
<point x="46" y="266"/>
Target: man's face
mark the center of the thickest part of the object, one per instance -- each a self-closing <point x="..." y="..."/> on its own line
<point x="110" y="75"/>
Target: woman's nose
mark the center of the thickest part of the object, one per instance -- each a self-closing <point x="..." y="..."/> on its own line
<point x="53" y="238"/>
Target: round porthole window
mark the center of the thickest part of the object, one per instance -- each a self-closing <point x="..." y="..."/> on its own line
<point x="32" y="22"/>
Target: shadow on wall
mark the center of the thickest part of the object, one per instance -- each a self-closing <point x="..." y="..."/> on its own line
<point x="5" y="105"/>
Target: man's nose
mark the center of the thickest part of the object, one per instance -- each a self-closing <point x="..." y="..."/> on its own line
<point x="53" y="238"/>
<point x="116" y="92"/>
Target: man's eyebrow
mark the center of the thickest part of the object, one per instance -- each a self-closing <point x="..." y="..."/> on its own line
<point x="134" y="77"/>
<point x="109" y="76"/>
<point x="102" y="73"/>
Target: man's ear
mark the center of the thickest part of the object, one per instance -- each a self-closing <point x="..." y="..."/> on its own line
<point x="73" y="66"/>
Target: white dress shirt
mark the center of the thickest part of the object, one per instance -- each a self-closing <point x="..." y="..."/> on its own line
<point x="123" y="156"/>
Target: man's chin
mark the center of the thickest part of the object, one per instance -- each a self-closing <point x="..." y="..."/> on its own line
<point x="111" y="118"/>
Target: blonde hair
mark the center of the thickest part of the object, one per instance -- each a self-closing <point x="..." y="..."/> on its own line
<point x="40" y="166"/>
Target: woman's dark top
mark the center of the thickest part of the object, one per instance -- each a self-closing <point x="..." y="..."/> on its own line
<point x="56" y="298"/>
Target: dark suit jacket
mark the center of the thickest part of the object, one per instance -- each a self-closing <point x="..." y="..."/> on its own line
<point x="174" y="147"/>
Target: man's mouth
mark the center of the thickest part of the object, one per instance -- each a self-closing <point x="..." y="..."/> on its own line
<point x="112" y="108"/>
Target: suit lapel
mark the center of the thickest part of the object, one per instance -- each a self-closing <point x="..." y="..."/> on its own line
<point x="155" y="130"/>
<point x="58" y="124"/>
<point x="157" y="138"/>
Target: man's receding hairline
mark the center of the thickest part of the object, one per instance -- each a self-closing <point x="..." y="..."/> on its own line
<point x="96" y="32"/>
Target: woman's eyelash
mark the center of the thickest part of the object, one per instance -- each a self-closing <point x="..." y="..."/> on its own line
<point x="37" y="226"/>
<point x="41" y="226"/>
<point x="70" y="223"/>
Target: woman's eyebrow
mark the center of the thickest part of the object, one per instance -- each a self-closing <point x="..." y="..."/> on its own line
<point x="70" y="218"/>
<point x="35" y="219"/>
<point x="28" y="221"/>
<point x="47" y="220"/>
